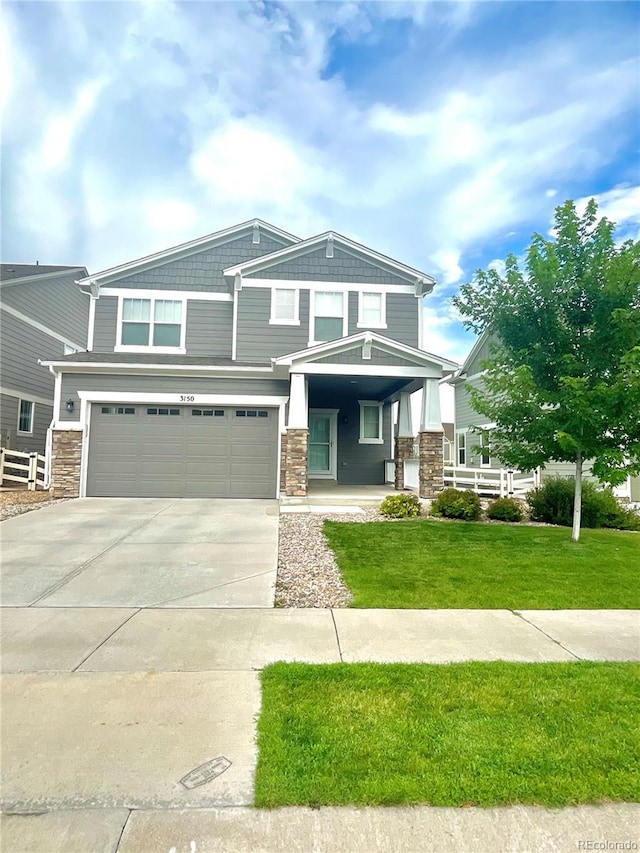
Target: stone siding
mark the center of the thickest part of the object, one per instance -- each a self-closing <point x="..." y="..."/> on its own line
<point x="403" y="450"/>
<point x="297" y="457"/>
<point x="65" y="463"/>
<point x="431" y="464"/>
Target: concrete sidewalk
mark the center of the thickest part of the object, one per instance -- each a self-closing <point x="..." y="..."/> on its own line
<point x="61" y="639"/>
<point x="328" y="830"/>
<point x="105" y="710"/>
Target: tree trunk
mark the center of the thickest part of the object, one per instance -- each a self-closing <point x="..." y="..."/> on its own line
<point x="577" y="499"/>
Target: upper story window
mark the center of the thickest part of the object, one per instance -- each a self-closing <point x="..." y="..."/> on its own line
<point x="285" y="306"/>
<point x="328" y="316"/>
<point x="372" y="312"/>
<point x="157" y="323"/>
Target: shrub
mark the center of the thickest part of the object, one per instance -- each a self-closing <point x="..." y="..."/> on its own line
<point x="505" y="509"/>
<point x="553" y="503"/>
<point x="457" y="503"/>
<point x="401" y="506"/>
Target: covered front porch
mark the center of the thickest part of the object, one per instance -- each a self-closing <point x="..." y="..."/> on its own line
<point x="349" y="413"/>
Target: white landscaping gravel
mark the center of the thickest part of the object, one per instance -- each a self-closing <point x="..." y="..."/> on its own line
<point x="308" y="575"/>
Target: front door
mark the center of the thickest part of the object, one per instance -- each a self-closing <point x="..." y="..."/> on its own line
<point x="322" y="444"/>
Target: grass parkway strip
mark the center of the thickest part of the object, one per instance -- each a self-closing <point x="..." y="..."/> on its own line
<point x="483" y="734"/>
<point x="430" y="564"/>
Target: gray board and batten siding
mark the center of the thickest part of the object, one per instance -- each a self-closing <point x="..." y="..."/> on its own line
<point x="142" y="450"/>
<point x="97" y="382"/>
<point x="57" y="303"/>
<point x="201" y="271"/>
<point x="35" y="442"/>
<point x="316" y="266"/>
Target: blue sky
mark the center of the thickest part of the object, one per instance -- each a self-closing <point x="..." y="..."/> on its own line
<point x="442" y="134"/>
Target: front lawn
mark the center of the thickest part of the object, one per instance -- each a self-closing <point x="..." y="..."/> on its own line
<point x="431" y="564"/>
<point x="475" y="733"/>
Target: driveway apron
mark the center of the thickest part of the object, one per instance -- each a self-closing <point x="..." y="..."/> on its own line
<point x="121" y="552"/>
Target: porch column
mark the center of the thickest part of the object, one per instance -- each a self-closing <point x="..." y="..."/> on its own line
<point x="431" y="441"/>
<point x="404" y="439"/>
<point x="296" y="446"/>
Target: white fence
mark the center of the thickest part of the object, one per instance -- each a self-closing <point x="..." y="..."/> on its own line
<point x="412" y="474"/>
<point x="494" y="482"/>
<point x="18" y="467"/>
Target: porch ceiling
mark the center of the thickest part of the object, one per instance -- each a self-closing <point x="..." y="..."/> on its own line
<point x="364" y="387"/>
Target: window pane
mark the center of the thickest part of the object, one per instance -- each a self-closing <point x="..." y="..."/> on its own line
<point x="135" y="334"/>
<point x="328" y="304"/>
<point x="137" y="310"/>
<point x="25" y="418"/>
<point x="167" y="311"/>
<point x="319" y="457"/>
<point x="327" y="329"/>
<point x="319" y="429"/>
<point x="371" y="308"/>
<point x="165" y="335"/>
<point x="285" y="305"/>
<point x="370" y="422"/>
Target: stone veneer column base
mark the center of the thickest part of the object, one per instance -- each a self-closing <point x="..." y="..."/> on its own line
<point x="431" y="463"/>
<point x="297" y="462"/>
<point x="403" y="450"/>
<point x="283" y="461"/>
<point x="66" y="454"/>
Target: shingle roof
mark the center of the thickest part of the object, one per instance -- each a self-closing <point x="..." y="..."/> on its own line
<point x="8" y="272"/>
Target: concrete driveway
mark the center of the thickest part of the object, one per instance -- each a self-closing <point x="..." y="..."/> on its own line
<point x="127" y="552"/>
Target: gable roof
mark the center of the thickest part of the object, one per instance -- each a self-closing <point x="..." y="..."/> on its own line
<point x="19" y="273"/>
<point x="330" y="239"/>
<point x="341" y="345"/>
<point x="190" y="248"/>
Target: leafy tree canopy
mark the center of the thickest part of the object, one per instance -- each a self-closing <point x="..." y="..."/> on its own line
<point x="563" y="380"/>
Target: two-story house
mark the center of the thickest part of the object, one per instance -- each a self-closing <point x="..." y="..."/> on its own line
<point x="247" y="363"/>
<point x="43" y="315"/>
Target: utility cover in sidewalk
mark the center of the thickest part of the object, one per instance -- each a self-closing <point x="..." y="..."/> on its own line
<point x="206" y="772"/>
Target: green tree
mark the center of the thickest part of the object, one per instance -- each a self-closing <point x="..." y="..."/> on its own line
<point x="563" y="379"/>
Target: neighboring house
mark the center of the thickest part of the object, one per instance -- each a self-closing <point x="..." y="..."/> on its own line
<point x="246" y="363"/>
<point x="43" y="315"/>
<point x="473" y="433"/>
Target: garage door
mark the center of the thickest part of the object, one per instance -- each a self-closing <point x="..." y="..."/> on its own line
<point x="182" y="451"/>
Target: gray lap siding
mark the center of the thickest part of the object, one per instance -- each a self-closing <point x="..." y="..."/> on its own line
<point x="257" y="339"/>
<point x="21" y="346"/>
<point x="74" y="382"/>
<point x="58" y="304"/>
<point x="208" y="327"/>
<point x="358" y="464"/>
<point x="9" y="435"/>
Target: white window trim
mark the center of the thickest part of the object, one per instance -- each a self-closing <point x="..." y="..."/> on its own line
<point x="32" y="419"/>
<point x="457" y="463"/>
<point x="362" y="439"/>
<point x="275" y="321"/>
<point x="179" y="350"/>
<point x="383" y="298"/>
<point x="312" y="314"/>
<point x="487" y="446"/>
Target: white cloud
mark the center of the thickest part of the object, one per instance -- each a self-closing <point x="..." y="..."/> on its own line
<point x="620" y="205"/>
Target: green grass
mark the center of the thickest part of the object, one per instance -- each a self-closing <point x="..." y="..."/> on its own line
<point x="431" y="564"/>
<point x="478" y="733"/>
